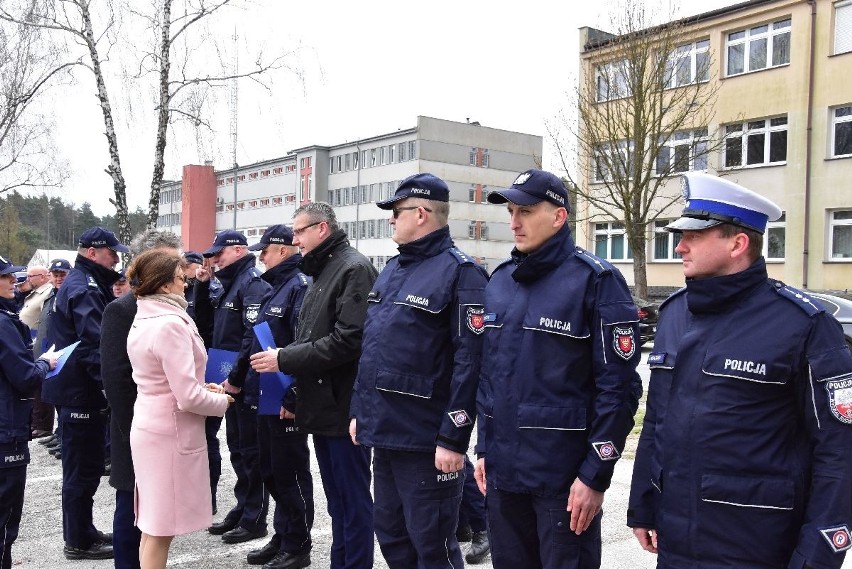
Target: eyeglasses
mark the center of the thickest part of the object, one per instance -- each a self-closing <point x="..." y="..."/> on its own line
<point x="29" y="277"/>
<point x="397" y="210"/>
<point x="298" y="232"/>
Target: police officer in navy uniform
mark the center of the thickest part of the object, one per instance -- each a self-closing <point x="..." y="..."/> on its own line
<point x="19" y="377"/>
<point x="235" y="303"/>
<point x="414" y="399"/>
<point x="284" y="456"/>
<point x="78" y="389"/>
<point x="744" y="457"/>
<point x="558" y="389"/>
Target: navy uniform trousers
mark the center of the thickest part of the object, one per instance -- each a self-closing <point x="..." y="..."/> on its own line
<point x="83" y="455"/>
<point x="408" y="487"/>
<point x="533" y="532"/>
<point x="13" y="480"/>
<point x="285" y="467"/>
<point x="249" y="490"/>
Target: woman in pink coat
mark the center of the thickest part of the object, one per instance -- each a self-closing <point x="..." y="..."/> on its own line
<point x="167" y="434"/>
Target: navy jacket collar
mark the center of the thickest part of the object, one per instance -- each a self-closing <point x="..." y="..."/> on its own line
<point x="227" y="275"/>
<point x="283" y="271"/>
<point x="549" y="256"/>
<point x="719" y="294"/>
<point x="314" y="262"/>
<point x="425" y="247"/>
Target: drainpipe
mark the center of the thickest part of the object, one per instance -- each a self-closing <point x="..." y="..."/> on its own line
<point x="809" y="146"/>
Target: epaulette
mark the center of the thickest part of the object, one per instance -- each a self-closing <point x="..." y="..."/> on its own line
<point x="460" y="256"/>
<point x="671" y="296"/>
<point x="303" y="279"/>
<point x="255" y="274"/>
<point x="797" y="297"/>
<point x="90" y="280"/>
<point x="598" y="265"/>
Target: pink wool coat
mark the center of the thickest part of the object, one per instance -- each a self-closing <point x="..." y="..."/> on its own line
<point x="167" y="434"/>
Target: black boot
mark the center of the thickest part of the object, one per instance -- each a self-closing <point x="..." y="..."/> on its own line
<point x="266" y="553"/>
<point x="479" y="547"/>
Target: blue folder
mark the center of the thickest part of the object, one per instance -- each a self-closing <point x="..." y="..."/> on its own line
<point x="273" y="386"/>
<point x="219" y="365"/>
<point x="64" y="354"/>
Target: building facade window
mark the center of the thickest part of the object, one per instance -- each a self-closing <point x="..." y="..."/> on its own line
<point x="688" y="64"/>
<point x="613" y="159"/>
<point x="759" y="47"/>
<point x="841" y="130"/>
<point x="401" y="149"/>
<point x="611" y="242"/>
<point x="840" y="237"/>
<point x="392" y="154"/>
<point x="373" y="158"/>
<point x="612" y="80"/>
<point x="843" y="27"/>
<point x="412" y="149"/>
<point x="683" y="152"/>
<point x="757" y="142"/>
<point x="774" y="244"/>
<point x="665" y="241"/>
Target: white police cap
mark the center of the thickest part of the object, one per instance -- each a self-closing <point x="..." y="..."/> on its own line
<point x="711" y="201"/>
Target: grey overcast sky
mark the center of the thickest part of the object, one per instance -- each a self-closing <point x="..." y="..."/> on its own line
<point x="370" y="68"/>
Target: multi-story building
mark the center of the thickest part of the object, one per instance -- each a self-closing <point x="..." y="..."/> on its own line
<point x="352" y="177"/>
<point x="781" y="125"/>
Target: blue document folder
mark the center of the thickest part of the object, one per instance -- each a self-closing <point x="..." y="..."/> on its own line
<point x="64" y="354"/>
<point x="273" y="386"/>
<point x="219" y="365"/>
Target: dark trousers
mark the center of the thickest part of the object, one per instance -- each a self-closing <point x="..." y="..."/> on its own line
<point x="214" y="455"/>
<point x="345" y="472"/>
<point x="43" y="413"/>
<point x="12" y="483"/>
<point x="251" y="494"/>
<point x="82" y="467"/>
<point x="125" y="535"/>
<point x="416" y="511"/>
<point x="285" y="465"/>
<point x="472" y="509"/>
<point x="534" y="532"/>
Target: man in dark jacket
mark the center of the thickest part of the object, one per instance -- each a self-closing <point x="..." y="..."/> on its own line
<point x="415" y="397"/>
<point x="78" y="389"/>
<point x="120" y="391"/>
<point x="235" y="306"/>
<point x="324" y="361"/>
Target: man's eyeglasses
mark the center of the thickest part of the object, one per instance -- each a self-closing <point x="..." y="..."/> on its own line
<point x="30" y="277"/>
<point x="397" y="210"/>
<point x="298" y="232"/>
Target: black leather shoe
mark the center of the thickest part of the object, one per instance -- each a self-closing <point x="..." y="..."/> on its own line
<point x="225" y="525"/>
<point x="57" y="454"/>
<point x="479" y="548"/>
<point x="37" y="434"/>
<point x="289" y="561"/>
<point x="240" y="535"/>
<point x="104" y="537"/>
<point x="98" y="550"/>
<point x="463" y="534"/>
<point x="54" y="445"/>
<point x="48" y="440"/>
<point x="266" y="553"/>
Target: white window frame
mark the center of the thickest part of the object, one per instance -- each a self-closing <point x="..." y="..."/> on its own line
<point x="609" y="230"/>
<point x="612" y="81"/>
<point x="833" y="224"/>
<point x="672" y="240"/>
<point x="696" y="144"/>
<point x="750" y="128"/>
<point x="842" y="33"/>
<point x="836" y="121"/>
<point x="750" y="36"/>
<point x="697" y="56"/>
<point x="773" y="227"/>
<point x="624" y="148"/>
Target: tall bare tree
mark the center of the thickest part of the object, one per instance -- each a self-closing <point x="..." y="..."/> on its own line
<point x="643" y="113"/>
<point x="28" y="67"/>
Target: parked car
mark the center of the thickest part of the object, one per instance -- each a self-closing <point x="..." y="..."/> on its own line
<point x="840" y="308"/>
<point x="648" y="314"/>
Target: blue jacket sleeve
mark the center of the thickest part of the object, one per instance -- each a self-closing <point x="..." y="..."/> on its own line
<point x="252" y="297"/>
<point x="16" y="361"/>
<point x="87" y="309"/>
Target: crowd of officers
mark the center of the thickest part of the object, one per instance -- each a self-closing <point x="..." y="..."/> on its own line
<point x="743" y="460"/>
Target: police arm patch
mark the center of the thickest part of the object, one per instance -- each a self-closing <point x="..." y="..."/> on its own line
<point x="840" y="399"/>
<point x="606" y="450"/>
<point x="474" y="318"/>
<point x="252" y="312"/>
<point x="837" y="537"/>
<point x="460" y="418"/>
<point x="623" y="342"/>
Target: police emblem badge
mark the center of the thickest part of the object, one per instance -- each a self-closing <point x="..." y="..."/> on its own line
<point x="252" y="310"/>
<point x="837" y="537"/>
<point x="840" y="399"/>
<point x="622" y="342"/>
<point x="606" y="450"/>
<point x="521" y="179"/>
<point x="460" y="418"/>
<point x="476" y="319"/>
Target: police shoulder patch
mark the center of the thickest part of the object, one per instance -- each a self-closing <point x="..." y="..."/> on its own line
<point x="797" y="297"/>
<point x="460" y="256"/>
<point x="475" y="318"/>
<point x="252" y="312"/>
<point x="837" y="537"/>
<point x="599" y="265"/>
<point x="623" y="341"/>
<point x="840" y="399"/>
<point x="606" y="450"/>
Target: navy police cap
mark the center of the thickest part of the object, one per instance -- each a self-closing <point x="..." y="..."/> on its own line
<point x="425" y="185"/>
<point x="7" y="268"/>
<point x="193" y="258"/>
<point x="98" y="237"/>
<point x="532" y="187"/>
<point x="274" y="235"/>
<point x="226" y="238"/>
<point x="59" y="265"/>
<point x="711" y="201"/>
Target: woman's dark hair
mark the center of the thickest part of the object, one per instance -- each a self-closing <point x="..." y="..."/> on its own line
<point x="151" y="270"/>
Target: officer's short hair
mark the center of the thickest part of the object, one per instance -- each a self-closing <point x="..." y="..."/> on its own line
<point x="318" y="212"/>
<point x="441" y="210"/>
<point x="154" y="239"/>
<point x="755" y="239"/>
